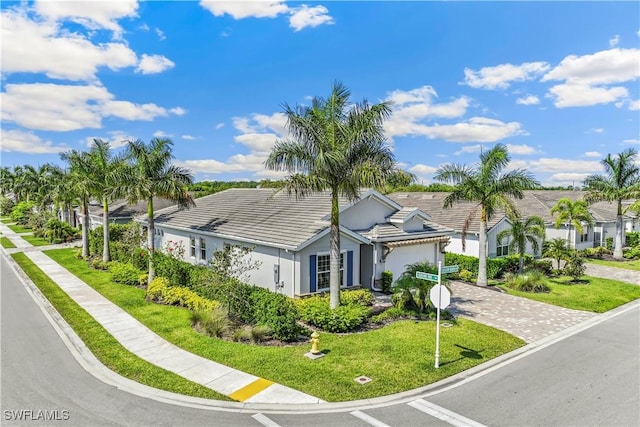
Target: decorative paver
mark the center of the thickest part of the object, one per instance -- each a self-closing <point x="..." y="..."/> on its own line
<point x="606" y="272"/>
<point x="522" y="317"/>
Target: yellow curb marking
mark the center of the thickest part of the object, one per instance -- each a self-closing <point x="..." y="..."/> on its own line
<point x="250" y="390"/>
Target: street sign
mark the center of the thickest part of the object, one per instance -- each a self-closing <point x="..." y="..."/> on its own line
<point x="440" y="297"/>
<point x="450" y="269"/>
<point x="426" y="276"/>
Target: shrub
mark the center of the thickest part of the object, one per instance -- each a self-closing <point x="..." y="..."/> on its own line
<point x="213" y="322"/>
<point x="143" y="278"/>
<point x="496" y="267"/>
<point x="242" y="334"/>
<point x="466" y="275"/>
<point x="176" y="270"/>
<point x="531" y="281"/>
<point x="633" y="253"/>
<point x="124" y="273"/>
<point x="98" y="264"/>
<point x="315" y="310"/>
<point x="464" y="262"/>
<point x="6" y="204"/>
<point x="56" y="231"/>
<point x="632" y="238"/>
<point x="140" y="258"/>
<point x="392" y="313"/>
<point x="543" y="265"/>
<point x="575" y="267"/>
<point x="411" y="293"/>
<point x="259" y="333"/>
<point x="276" y="312"/>
<point x="362" y="297"/>
<point x="609" y="243"/>
<point x="159" y="290"/>
<point x="387" y="281"/>
<point x="597" y="252"/>
<point x="38" y="221"/>
<point x="21" y="212"/>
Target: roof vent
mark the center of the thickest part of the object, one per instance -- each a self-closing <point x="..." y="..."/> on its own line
<point x="402" y="196"/>
<point x="428" y="196"/>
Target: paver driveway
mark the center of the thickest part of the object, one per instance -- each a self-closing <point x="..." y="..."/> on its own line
<point x="524" y="318"/>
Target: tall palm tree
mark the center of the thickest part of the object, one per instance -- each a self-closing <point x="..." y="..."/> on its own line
<point x="485" y="184"/>
<point x="7" y="179"/>
<point x="523" y="232"/>
<point x="621" y="181"/>
<point x="573" y="213"/>
<point x="153" y="175"/>
<point x="108" y="172"/>
<point x="81" y="179"/>
<point x="336" y="146"/>
<point x="63" y="194"/>
<point x="556" y="249"/>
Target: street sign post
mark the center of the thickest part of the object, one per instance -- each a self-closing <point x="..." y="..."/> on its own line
<point x="427" y="276"/>
<point x="440" y="297"/>
<point x="450" y="269"/>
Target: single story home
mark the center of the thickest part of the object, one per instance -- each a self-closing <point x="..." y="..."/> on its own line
<point x="120" y="211"/>
<point x="535" y="202"/>
<point x="290" y="237"/>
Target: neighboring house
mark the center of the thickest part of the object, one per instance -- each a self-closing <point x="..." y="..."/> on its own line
<point x="291" y="237"/>
<point x="535" y="202"/>
<point x="120" y="211"/>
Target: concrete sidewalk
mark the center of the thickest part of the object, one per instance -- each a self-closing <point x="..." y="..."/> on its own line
<point x="147" y="345"/>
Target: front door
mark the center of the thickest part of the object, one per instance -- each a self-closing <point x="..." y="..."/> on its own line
<point x="366" y="265"/>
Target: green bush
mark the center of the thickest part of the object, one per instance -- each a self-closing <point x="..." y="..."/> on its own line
<point x="531" y="281"/>
<point x="465" y="275"/>
<point x="362" y="297"/>
<point x="632" y="238"/>
<point x="98" y="264"/>
<point x="176" y="270"/>
<point x="609" y="243"/>
<point x="214" y="323"/>
<point x="496" y="267"/>
<point x="633" y="253"/>
<point x="543" y="265"/>
<point x="392" y="313"/>
<point x="21" y="212"/>
<point x="6" y="204"/>
<point x="315" y="310"/>
<point x="275" y="311"/>
<point x="597" y="252"/>
<point x="159" y="290"/>
<point x="387" y="281"/>
<point x="38" y="220"/>
<point x="411" y="293"/>
<point x="575" y="267"/>
<point x="56" y="231"/>
<point x="464" y="262"/>
<point x="124" y="273"/>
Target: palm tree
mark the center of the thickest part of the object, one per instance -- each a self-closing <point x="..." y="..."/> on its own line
<point x="621" y="181"/>
<point x="523" y="231"/>
<point x="335" y="146"/>
<point x="556" y="249"/>
<point x="81" y="180"/>
<point x="153" y="175"/>
<point x="485" y="184"/>
<point x="7" y="179"/>
<point x="573" y="213"/>
<point x="108" y="172"/>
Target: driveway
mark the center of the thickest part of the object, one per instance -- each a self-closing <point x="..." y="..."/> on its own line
<point x="522" y="317"/>
<point x="605" y="272"/>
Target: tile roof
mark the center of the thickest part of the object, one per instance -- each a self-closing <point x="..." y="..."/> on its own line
<point x="122" y="209"/>
<point x="387" y="232"/>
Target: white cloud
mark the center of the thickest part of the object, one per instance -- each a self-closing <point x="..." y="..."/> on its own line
<point x="162" y="134"/>
<point x="306" y="16"/>
<point x="188" y="137"/>
<point x="593" y="154"/>
<point x="219" y="126"/>
<point x="93" y="15"/>
<point x="33" y="46"/>
<point x="595" y="130"/>
<point x="565" y="179"/>
<point x="634" y="105"/>
<point x="588" y="78"/>
<point x="521" y="150"/>
<point x="152" y="64"/>
<point x="47" y="106"/>
<point x="528" y="100"/>
<point x="116" y="139"/>
<point x="160" y="34"/>
<point x="469" y="149"/>
<point x="27" y="142"/>
<point x="178" y="111"/>
<point x="501" y="76"/>
<point x="422" y="169"/>
<point x="613" y="42"/>
<point x="579" y="95"/>
<point x="632" y="141"/>
<point x="246" y="9"/>
<point x="558" y="165"/>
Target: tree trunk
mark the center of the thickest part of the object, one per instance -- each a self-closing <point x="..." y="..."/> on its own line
<point x="150" y="238"/>
<point x="521" y="263"/>
<point x="105" y="231"/>
<point x="334" y="257"/>
<point x="617" y="250"/>
<point x="482" y="252"/>
<point x="85" y="228"/>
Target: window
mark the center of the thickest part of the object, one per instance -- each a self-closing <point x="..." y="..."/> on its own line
<point x="203" y="249"/>
<point x="502" y="248"/>
<point x="323" y="268"/>
<point x="585" y="236"/>
<point x="192" y="243"/>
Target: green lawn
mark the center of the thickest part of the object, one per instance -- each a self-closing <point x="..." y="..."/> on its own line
<point x="19" y="229"/>
<point x="6" y="243"/>
<point x="398" y="357"/>
<point x="6" y="220"/>
<point x="36" y="241"/>
<point x="104" y="346"/>
<point x="595" y="294"/>
<point x="629" y="265"/>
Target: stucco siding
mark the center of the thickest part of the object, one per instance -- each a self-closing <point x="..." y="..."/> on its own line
<point x="364" y="214"/>
<point x="398" y="259"/>
<point x="471" y="248"/>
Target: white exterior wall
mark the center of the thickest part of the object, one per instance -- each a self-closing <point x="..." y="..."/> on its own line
<point x="472" y="247"/>
<point x="401" y="256"/>
<point x="364" y="214"/>
<point x="322" y="246"/>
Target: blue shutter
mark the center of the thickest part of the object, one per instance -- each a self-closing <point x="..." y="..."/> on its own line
<point x="349" y="268"/>
<point x="312" y="273"/>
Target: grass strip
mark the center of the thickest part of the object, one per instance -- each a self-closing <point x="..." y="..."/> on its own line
<point x="398" y="357"/>
<point x="593" y="294"/>
<point x="17" y="228"/>
<point x="106" y="348"/>
<point x="36" y="241"/>
<point x="628" y="264"/>
<point x="6" y="243"/>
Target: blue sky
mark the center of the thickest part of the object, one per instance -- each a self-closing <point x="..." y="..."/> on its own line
<point x="558" y="82"/>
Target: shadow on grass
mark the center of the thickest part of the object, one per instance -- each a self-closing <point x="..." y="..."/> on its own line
<point x="466" y="353"/>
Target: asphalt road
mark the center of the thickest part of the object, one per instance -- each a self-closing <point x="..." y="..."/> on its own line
<point x="591" y="378"/>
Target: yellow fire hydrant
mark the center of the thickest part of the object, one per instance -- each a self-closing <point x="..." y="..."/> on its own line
<point x="315" y="341"/>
